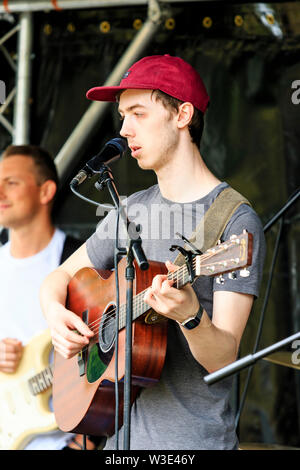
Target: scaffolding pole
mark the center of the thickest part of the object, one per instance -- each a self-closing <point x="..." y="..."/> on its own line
<point x="18" y="6"/>
<point x="23" y="81"/>
<point x="70" y="150"/>
<point x="5" y="122"/>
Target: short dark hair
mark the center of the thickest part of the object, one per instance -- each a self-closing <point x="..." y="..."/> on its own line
<point x="43" y="162"/>
<point x="197" y="123"/>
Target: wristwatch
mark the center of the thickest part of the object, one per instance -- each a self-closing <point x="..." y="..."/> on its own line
<point x="191" y="322"/>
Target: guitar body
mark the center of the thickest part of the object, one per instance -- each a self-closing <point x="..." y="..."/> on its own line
<point x="84" y="386"/>
<point x="22" y="414"/>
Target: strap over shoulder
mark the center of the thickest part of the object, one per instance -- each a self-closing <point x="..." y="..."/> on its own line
<point x="71" y="244"/>
<point x="212" y="225"/>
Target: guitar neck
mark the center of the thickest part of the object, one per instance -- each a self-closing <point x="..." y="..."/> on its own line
<point x="225" y="257"/>
<point x="180" y="278"/>
<point x="41" y="381"/>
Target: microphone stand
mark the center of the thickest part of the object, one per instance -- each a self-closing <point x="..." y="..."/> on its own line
<point x="247" y="360"/>
<point x="134" y="251"/>
<point x="278" y="216"/>
<point x="293" y="198"/>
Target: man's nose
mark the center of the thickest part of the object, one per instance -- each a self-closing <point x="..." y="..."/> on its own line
<point x="126" y="129"/>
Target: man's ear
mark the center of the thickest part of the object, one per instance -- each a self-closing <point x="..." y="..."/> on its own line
<point x="185" y="114"/>
<point x="48" y="191"/>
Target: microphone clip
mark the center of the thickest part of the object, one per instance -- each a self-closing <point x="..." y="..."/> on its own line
<point x="103" y="178"/>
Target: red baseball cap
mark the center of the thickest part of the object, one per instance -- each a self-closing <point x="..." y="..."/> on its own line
<point x="172" y="75"/>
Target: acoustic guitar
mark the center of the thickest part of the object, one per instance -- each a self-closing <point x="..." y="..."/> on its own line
<point x="84" y="386"/>
<point x="24" y="396"/>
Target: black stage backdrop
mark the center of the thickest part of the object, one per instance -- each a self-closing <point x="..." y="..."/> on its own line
<point x="248" y="55"/>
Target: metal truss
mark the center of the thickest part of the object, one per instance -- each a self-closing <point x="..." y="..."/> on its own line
<point x="18" y="6"/>
<point x="20" y="127"/>
<point x="5" y="122"/>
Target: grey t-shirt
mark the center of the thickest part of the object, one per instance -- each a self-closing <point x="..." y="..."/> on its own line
<point x="181" y="412"/>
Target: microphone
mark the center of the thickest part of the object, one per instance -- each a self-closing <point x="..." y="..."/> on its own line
<point x="112" y="151"/>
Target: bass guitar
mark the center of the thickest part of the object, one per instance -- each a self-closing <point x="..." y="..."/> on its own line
<point x="84" y="386"/>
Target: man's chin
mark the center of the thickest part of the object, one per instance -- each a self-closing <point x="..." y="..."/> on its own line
<point x="5" y="223"/>
<point x="144" y="166"/>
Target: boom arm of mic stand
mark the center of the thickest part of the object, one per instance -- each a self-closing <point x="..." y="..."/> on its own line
<point x="247" y="360"/>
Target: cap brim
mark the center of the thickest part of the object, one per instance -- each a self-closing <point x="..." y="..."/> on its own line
<point x="104" y="93"/>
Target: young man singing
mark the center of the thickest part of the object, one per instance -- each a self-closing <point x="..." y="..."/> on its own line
<point x="162" y="100"/>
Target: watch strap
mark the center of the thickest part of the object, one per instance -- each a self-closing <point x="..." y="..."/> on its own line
<point x="191" y="322"/>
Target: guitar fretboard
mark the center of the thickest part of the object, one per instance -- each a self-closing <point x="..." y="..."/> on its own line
<point x="222" y="258"/>
<point x="42" y="381"/>
<point x="181" y="278"/>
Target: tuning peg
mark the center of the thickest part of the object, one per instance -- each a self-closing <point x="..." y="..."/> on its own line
<point x="211" y="269"/>
<point x="220" y="280"/>
<point x="232" y="275"/>
<point x="235" y="239"/>
<point x="244" y="272"/>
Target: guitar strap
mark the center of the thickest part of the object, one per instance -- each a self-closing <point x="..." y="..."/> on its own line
<point x="212" y="225"/>
<point x="71" y="244"/>
<point x="209" y="230"/>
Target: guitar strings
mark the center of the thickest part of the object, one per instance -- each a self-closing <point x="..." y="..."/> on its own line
<point x="178" y="275"/>
<point x="137" y="303"/>
<point x="137" y="300"/>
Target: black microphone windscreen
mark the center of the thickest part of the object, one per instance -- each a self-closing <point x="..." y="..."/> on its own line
<point x="112" y="150"/>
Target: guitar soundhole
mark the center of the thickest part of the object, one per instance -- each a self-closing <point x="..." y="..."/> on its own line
<point x="101" y="354"/>
<point x="107" y="329"/>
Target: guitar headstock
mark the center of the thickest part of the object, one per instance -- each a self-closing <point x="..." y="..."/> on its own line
<point x="232" y="255"/>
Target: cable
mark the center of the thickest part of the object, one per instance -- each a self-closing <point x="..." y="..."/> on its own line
<point x="91" y="201"/>
<point x="117" y="330"/>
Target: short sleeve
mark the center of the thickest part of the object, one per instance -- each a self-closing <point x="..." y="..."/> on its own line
<point x="245" y="218"/>
<point x="101" y="244"/>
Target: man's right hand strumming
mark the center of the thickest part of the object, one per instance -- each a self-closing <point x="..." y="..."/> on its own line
<point x="69" y="333"/>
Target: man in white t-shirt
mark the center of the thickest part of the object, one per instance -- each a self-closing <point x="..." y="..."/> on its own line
<point x="28" y="184"/>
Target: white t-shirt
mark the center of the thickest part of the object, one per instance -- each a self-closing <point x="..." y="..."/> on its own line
<point x="20" y="311"/>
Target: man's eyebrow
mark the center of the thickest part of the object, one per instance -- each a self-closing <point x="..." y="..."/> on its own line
<point x="131" y="108"/>
<point x="6" y="178"/>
